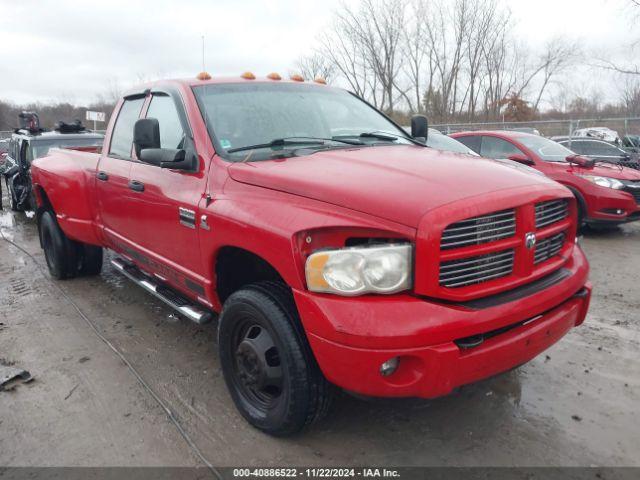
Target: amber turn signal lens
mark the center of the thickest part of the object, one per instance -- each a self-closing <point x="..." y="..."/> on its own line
<point x="314" y="272"/>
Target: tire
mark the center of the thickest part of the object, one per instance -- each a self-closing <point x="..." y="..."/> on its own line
<point x="90" y="260"/>
<point x="60" y="252"/>
<point x="13" y="204"/>
<point x="267" y="364"/>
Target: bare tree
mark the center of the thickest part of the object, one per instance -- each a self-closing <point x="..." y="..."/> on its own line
<point x="558" y="56"/>
<point x="316" y="65"/>
<point x="341" y="48"/>
<point x="377" y="28"/>
<point x="630" y="96"/>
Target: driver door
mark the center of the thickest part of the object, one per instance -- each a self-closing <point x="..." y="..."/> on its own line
<point x="164" y="202"/>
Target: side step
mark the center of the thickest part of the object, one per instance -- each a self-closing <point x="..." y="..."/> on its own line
<point x="169" y="296"/>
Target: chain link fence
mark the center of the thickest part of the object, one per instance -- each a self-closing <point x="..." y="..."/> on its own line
<point x="550" y="128"/>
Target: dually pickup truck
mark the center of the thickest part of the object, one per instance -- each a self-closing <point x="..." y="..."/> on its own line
<point x="338" y="249"/>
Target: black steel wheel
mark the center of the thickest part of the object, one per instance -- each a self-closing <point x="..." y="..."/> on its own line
<point x="267" y="364"/>
<point x="257" y="369"/>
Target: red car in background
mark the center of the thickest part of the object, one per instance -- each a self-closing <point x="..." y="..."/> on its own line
<point x="608" y="194"/>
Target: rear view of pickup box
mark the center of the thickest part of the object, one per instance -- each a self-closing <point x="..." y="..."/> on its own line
<point x="337" y="249"/>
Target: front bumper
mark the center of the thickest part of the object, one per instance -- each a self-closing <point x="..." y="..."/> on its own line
<point x="601" y="208"/>
<point x="352" y="337"/>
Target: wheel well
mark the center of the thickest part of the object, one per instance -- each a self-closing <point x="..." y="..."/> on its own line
<point x="582" y="204"/>
<point x="236" y="267"/>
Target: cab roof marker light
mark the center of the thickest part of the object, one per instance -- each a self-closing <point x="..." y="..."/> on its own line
<point x="248" y="76"/>
<point x="320" y="80"/>
<point x="274" y="76"/>
<point x="203" y="76"/>
<point x="297" y="78"/>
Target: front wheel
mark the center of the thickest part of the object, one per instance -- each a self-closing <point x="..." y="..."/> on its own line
<point x="267" y="364"/>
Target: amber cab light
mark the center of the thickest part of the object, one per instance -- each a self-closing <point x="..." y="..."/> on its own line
<point x="203" y="76"/>
<point x="248" y="76"/>
<point x="297" y="78"/>
<point x="274" y="76"/>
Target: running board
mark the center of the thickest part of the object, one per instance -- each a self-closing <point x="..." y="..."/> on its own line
<point x="167" y="295"/>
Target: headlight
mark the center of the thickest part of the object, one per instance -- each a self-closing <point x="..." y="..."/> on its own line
<point x="604" y="181"/>
<point x="356" y="271"/>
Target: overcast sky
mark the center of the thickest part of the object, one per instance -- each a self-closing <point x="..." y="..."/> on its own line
<point x="71" y="50"/>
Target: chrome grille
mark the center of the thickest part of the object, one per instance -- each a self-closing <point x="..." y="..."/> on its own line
<point x="548" y="247"/>
<point x="473" y="270"/>
<point x="551" y="212"/>
<point x="479" y="230"/>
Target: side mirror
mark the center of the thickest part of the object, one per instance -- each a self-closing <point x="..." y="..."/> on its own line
<point x="146" y="135"/>
<point x="420" y="128"/>
<point x="175" y="159"/>
<point x="521" y="158"/>
<point x="584" y="162"/>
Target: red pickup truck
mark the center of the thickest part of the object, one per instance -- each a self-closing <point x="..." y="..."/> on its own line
<point x="338" y="249"/>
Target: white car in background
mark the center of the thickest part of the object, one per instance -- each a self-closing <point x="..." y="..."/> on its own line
<point x="601" y="133"/>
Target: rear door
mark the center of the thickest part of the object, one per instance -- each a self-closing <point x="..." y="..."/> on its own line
<point x="165" y="202"/>
<point x="112" y="176"/>
<point x="494" y="147"/>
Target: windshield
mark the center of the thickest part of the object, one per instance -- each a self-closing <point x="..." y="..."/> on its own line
<point x="440" y="141"/>
<point x="39" y="148"/>
<point x="546" y="149"/>
<point x="241" y="115"/>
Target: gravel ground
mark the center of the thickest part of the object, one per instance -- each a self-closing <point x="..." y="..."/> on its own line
<point x="576" y="405"/>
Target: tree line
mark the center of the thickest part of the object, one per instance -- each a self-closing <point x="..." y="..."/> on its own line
<point x="453" y="60"/>
<point x="53" y="112"/>
<point x="457" y="60"/>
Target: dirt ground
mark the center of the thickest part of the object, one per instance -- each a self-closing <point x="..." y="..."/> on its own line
<point x="578" y="405"/>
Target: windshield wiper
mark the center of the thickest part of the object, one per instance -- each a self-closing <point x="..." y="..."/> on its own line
<point x="332" y="139"/>
<point x="379" y="135"/>
<point x="278" y="142"/>
<point x="389" y="137"/>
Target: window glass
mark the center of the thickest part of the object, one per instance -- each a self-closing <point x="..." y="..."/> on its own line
<point x="164" y="110"/>
<point x="471" y="141"/>
<point x="40" y="148"/>
<point x="122" y="137"/>
<point x="545" y="149"/>
<point x="602" y="148"/>
<point x="442" y="142"/>
<point x="575" y="146"/>
<point x="246" y="114"/>
<point x="493" y="147"/>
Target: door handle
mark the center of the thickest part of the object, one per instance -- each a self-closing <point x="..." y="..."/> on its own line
<point x="102" y="176"/>
<point x="136" y="186"/>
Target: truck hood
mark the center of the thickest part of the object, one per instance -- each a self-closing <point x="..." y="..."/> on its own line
<point x="396" y="182"/>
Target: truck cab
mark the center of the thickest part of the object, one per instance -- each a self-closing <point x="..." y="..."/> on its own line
<point x="335" y="249"/>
